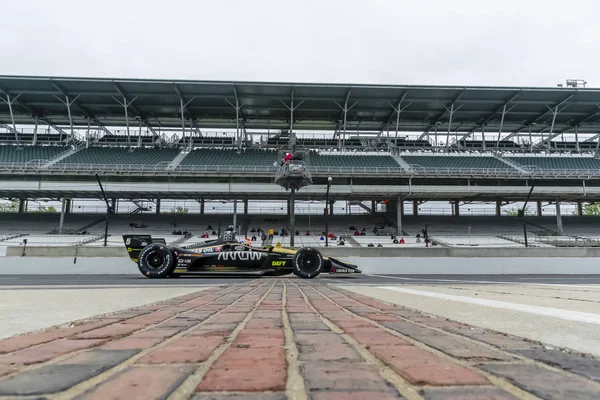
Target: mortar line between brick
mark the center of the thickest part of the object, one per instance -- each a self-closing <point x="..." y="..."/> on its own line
<point x="519" y="357"/>
<point x="404" y="388"/>
<point x="499" y="382"/>
<point x="295" y="388"/>
<point x="74" y="353"/>
<point x="188" y="386"/>
<point x="92" y="382"/>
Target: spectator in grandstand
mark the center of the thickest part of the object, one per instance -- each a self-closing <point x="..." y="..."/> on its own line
<point x="252" y="230"/>
<point x="271" y="233"/>
<point x="209" y="227"/>
<point x="352" y="228"/>
<point x="395" y="241"/>
<point x="321" y="238"/>
<point x="370" y="245"/>
<point x="401" y="240"/>
<point x="307" y="233"/>
<point x="356" y="233"/>
<point x="379" y="245"/>
<point x="297" y="232"/>
<point x="253" y="238"/>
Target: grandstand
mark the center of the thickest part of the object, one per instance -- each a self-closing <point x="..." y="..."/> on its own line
<point x="388" y="150"/>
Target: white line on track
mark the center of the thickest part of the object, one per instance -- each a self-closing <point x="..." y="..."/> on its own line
<point x="545" y="311"/>
<point x="425" y="280"/>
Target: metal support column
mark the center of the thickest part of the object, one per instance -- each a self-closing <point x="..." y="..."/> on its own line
<point x="331" y="203"/>
<point x="35" y="130"/>
<point x="554" y="114"/>
<point x="498" y="208"/>
<point x="202" y="206"/>
<point x="68" y="103"/>
<point x="140" y="134"/>
<point x="579" y="209"/>
<point x="373" y="206"/>
<point x="451" y="111"/>
<point x="10" y="102"/>
<point x="292" y="216"/>
<point x="245" y="206"/>
<point x="456" y="208"/>
<point x="291" y="108"/>
<point x="539" y="208"/>
<point x="126" y="104"/>
<point x="501" y="126"/>
<point x="577" y="139"/>
<point x="62" y="216"/>
<point x="415" y="207"/>
<point x="483" y="136"/>
<point x="158" y="206"/>
<point x="399" y="212"/>
<point x="22" y="207"/>
<point x="235" y="215"/>
<point x="559" y="224"/>
<point x="69" y="206"/>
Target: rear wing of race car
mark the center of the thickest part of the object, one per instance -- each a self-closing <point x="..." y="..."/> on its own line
<point x="135" y="244"/>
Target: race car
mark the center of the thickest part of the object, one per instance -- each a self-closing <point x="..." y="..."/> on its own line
<point x="156" y="259"/>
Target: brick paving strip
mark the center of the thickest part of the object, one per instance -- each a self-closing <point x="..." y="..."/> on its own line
<point x="273" y="339"/>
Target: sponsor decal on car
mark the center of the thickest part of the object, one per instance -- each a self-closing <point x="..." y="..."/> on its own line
<point x="278" y="263"/>
<point x="239" y="248"/>
<point x="128" y="242"/>
<point x="240" y="256"/>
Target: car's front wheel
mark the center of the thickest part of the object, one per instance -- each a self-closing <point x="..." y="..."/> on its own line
<point x="156" y="261"/>
<point x="307" y="263"/>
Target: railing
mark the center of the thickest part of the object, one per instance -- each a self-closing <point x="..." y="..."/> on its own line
<point x="38" y="166"/>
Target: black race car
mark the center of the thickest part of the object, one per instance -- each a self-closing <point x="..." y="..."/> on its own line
<point x="156" y="259"/>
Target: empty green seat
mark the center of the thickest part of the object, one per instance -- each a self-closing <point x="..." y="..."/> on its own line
<point x="455" y="162"/>
<point x="14" y="154"/>
<point x="121" y="155"/>
<point x="558" y="162"/>
<point x="219" y="157"/>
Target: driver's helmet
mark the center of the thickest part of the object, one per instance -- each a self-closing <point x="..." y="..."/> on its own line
<point x="246" y="242"/>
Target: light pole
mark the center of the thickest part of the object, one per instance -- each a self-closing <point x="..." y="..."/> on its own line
<point x="329" y="179"/>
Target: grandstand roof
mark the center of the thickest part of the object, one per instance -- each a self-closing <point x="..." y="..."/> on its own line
<point x="319" y="106"/>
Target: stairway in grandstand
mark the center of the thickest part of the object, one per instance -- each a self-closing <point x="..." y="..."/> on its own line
<point x="64" y="155"/>
<point x="177" y="160"/>
<point x="509" y="163"/>
<point x="401" y="162"/>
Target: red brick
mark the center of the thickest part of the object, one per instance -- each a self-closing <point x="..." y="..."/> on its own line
<point x="232" y="317"/>
<point x="131" y="343"/>
<point x="152" y="318"/>
<point x="353" y="395"/>
<point x="343" y="376"/>
<point x="6" y="369"/>
<point x="375" y="336"/>
<point x="345" y="325"/>
<point x="235" y="357"/>
<point x="157" y="332"/>
<point x="461" y="348"/>
<point x="261" y="377"/>
<point x="264" y="323"/>
<point x="139" y="382"/>
<point x="183" y="350"/>
<point x="110" y="331"/>
<point x="473" y="393"/>
<point x="381" y="317"/>
<point x="324" y="347"/>
<point x="47" y="351"/>
<point x="420" y="367"/>
<point x="23" y="341"/>
<point x="260" y="338"/>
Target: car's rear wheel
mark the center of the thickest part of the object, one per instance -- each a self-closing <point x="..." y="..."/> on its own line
<point x="307" y="263"/>
<point x="156" y="261"/>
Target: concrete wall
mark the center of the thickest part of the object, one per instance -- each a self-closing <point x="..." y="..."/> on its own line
<point x="375" y="265"/>
<point x="372" y="252"/>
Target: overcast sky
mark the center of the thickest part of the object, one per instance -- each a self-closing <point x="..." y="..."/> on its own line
<point x="459" y="42"/>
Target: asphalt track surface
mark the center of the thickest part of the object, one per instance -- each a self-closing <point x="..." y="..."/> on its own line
<point x="132" y="280"/>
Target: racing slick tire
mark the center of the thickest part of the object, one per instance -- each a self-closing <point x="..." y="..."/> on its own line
<point x="307" y="263"/>
<point x="156" y="261"/>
